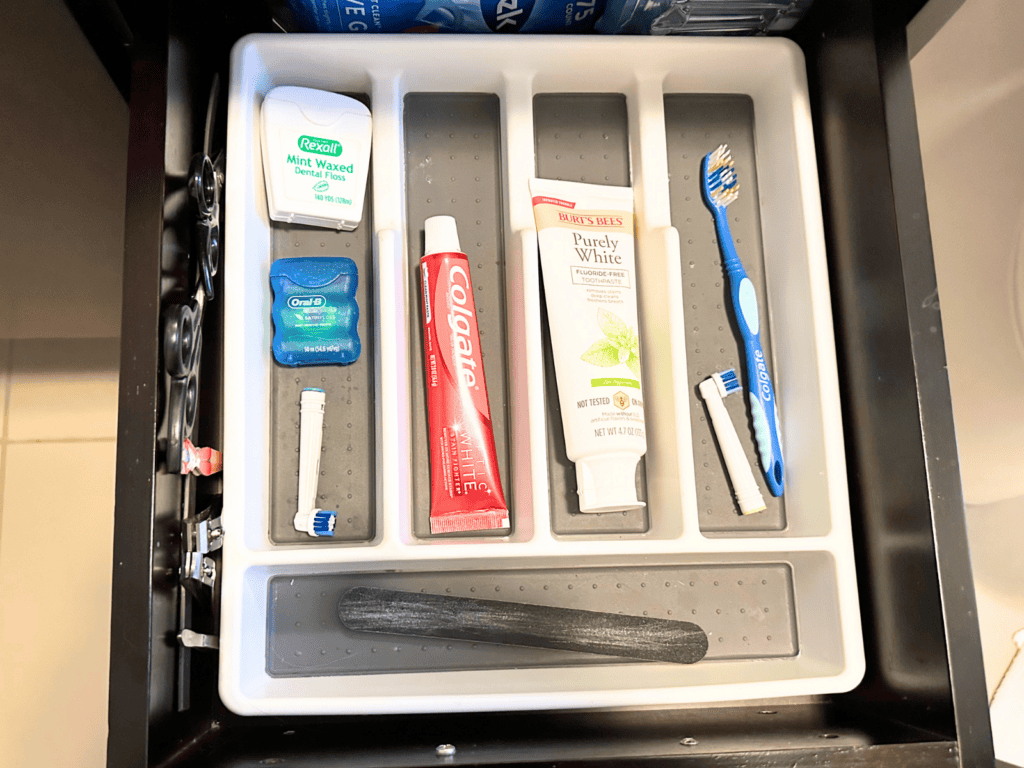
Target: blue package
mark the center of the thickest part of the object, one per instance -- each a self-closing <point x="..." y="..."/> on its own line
<point x="315" y="311"/>
<point x="700" y="17"/>
<point x="502" y="16"/>
<point x="631" y="17"/>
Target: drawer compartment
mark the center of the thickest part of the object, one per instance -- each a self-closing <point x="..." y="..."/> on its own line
<point x="466" y="144"/>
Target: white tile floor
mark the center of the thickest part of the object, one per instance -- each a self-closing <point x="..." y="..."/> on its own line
<point x="55" y="556"/>
<point x="60" y="300"/>
<point x="63" y="221"/>
<point x="62" y="389"/>
<point x="969" y="91"/>
<point x="995" y="540"/>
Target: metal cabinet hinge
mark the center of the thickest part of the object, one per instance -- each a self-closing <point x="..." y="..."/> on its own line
<point x="201" y="538"/>
<point x="191" y="639"/>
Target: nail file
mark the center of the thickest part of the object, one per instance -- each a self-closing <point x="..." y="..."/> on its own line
<point x="370" y="609"/>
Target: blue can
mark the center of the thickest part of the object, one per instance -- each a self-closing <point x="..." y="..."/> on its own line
<point x="485" y="16"/>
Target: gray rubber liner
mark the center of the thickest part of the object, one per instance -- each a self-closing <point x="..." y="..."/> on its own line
<point x="695" y="125"/>
<point x="580" y="137"/>
<point x="453" y="168"/>
<point x="347" y="462"/>
<point x="747" y="611"/>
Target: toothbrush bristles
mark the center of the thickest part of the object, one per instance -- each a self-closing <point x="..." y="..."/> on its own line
<point x="723" y="185"/>
<point x="727" y="381"/>
<point x="323" y="522"/>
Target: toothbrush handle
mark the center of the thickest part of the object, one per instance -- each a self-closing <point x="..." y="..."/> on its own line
<point x="311" y="422"/>
<point x="760" y="391"/>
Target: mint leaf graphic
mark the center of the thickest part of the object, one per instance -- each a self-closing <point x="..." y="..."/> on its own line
<point x="633" y="342"/>
<point x="602" y="353"/>
<point x="622" y="345"/>
<point x="613" y="327"/>
<point x="634" y="364"/>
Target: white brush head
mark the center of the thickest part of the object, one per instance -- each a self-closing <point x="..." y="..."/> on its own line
<point x="308" y="518"/>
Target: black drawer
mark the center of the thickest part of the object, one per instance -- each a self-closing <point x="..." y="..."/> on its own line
<point x="923" y="700"/>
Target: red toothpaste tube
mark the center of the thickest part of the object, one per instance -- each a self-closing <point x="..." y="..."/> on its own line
<point x="465" y="488"/>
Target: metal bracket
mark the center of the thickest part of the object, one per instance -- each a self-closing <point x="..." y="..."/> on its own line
<point x="201" y="538"/>
<point x="204" y="535"/>
<point x="201" y="569"/>
<point x="191" y="639"/>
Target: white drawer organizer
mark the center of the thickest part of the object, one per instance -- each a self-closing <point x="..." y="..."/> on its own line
<point x="807" y="556"/>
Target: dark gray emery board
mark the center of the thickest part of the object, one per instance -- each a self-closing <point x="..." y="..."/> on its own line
<point x="580" y="137"/>
<point x="417" y="614"/>
<point x="453" y="168"/>
<point x="348" y="454"/>
<point x="747" y="610"/>
<point x="695" y="125"/>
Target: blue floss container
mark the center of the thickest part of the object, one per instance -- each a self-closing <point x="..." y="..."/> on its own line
<point x="315" y="311"/>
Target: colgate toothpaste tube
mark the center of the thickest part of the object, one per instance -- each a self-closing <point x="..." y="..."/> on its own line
<point x="465" y="488"/>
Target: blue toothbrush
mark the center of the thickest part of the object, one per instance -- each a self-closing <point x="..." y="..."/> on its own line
<point x="721" y="187"/>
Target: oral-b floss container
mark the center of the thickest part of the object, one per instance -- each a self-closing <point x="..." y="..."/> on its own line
<point x="316" y="153"/>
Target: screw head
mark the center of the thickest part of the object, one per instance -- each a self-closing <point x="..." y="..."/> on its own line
<point x="689" y="742"/>
<point x="445" y="750"/>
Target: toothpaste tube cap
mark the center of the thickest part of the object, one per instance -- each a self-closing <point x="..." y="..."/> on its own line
<point x="441" y="235"/>
<point x="607" y="483"/>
